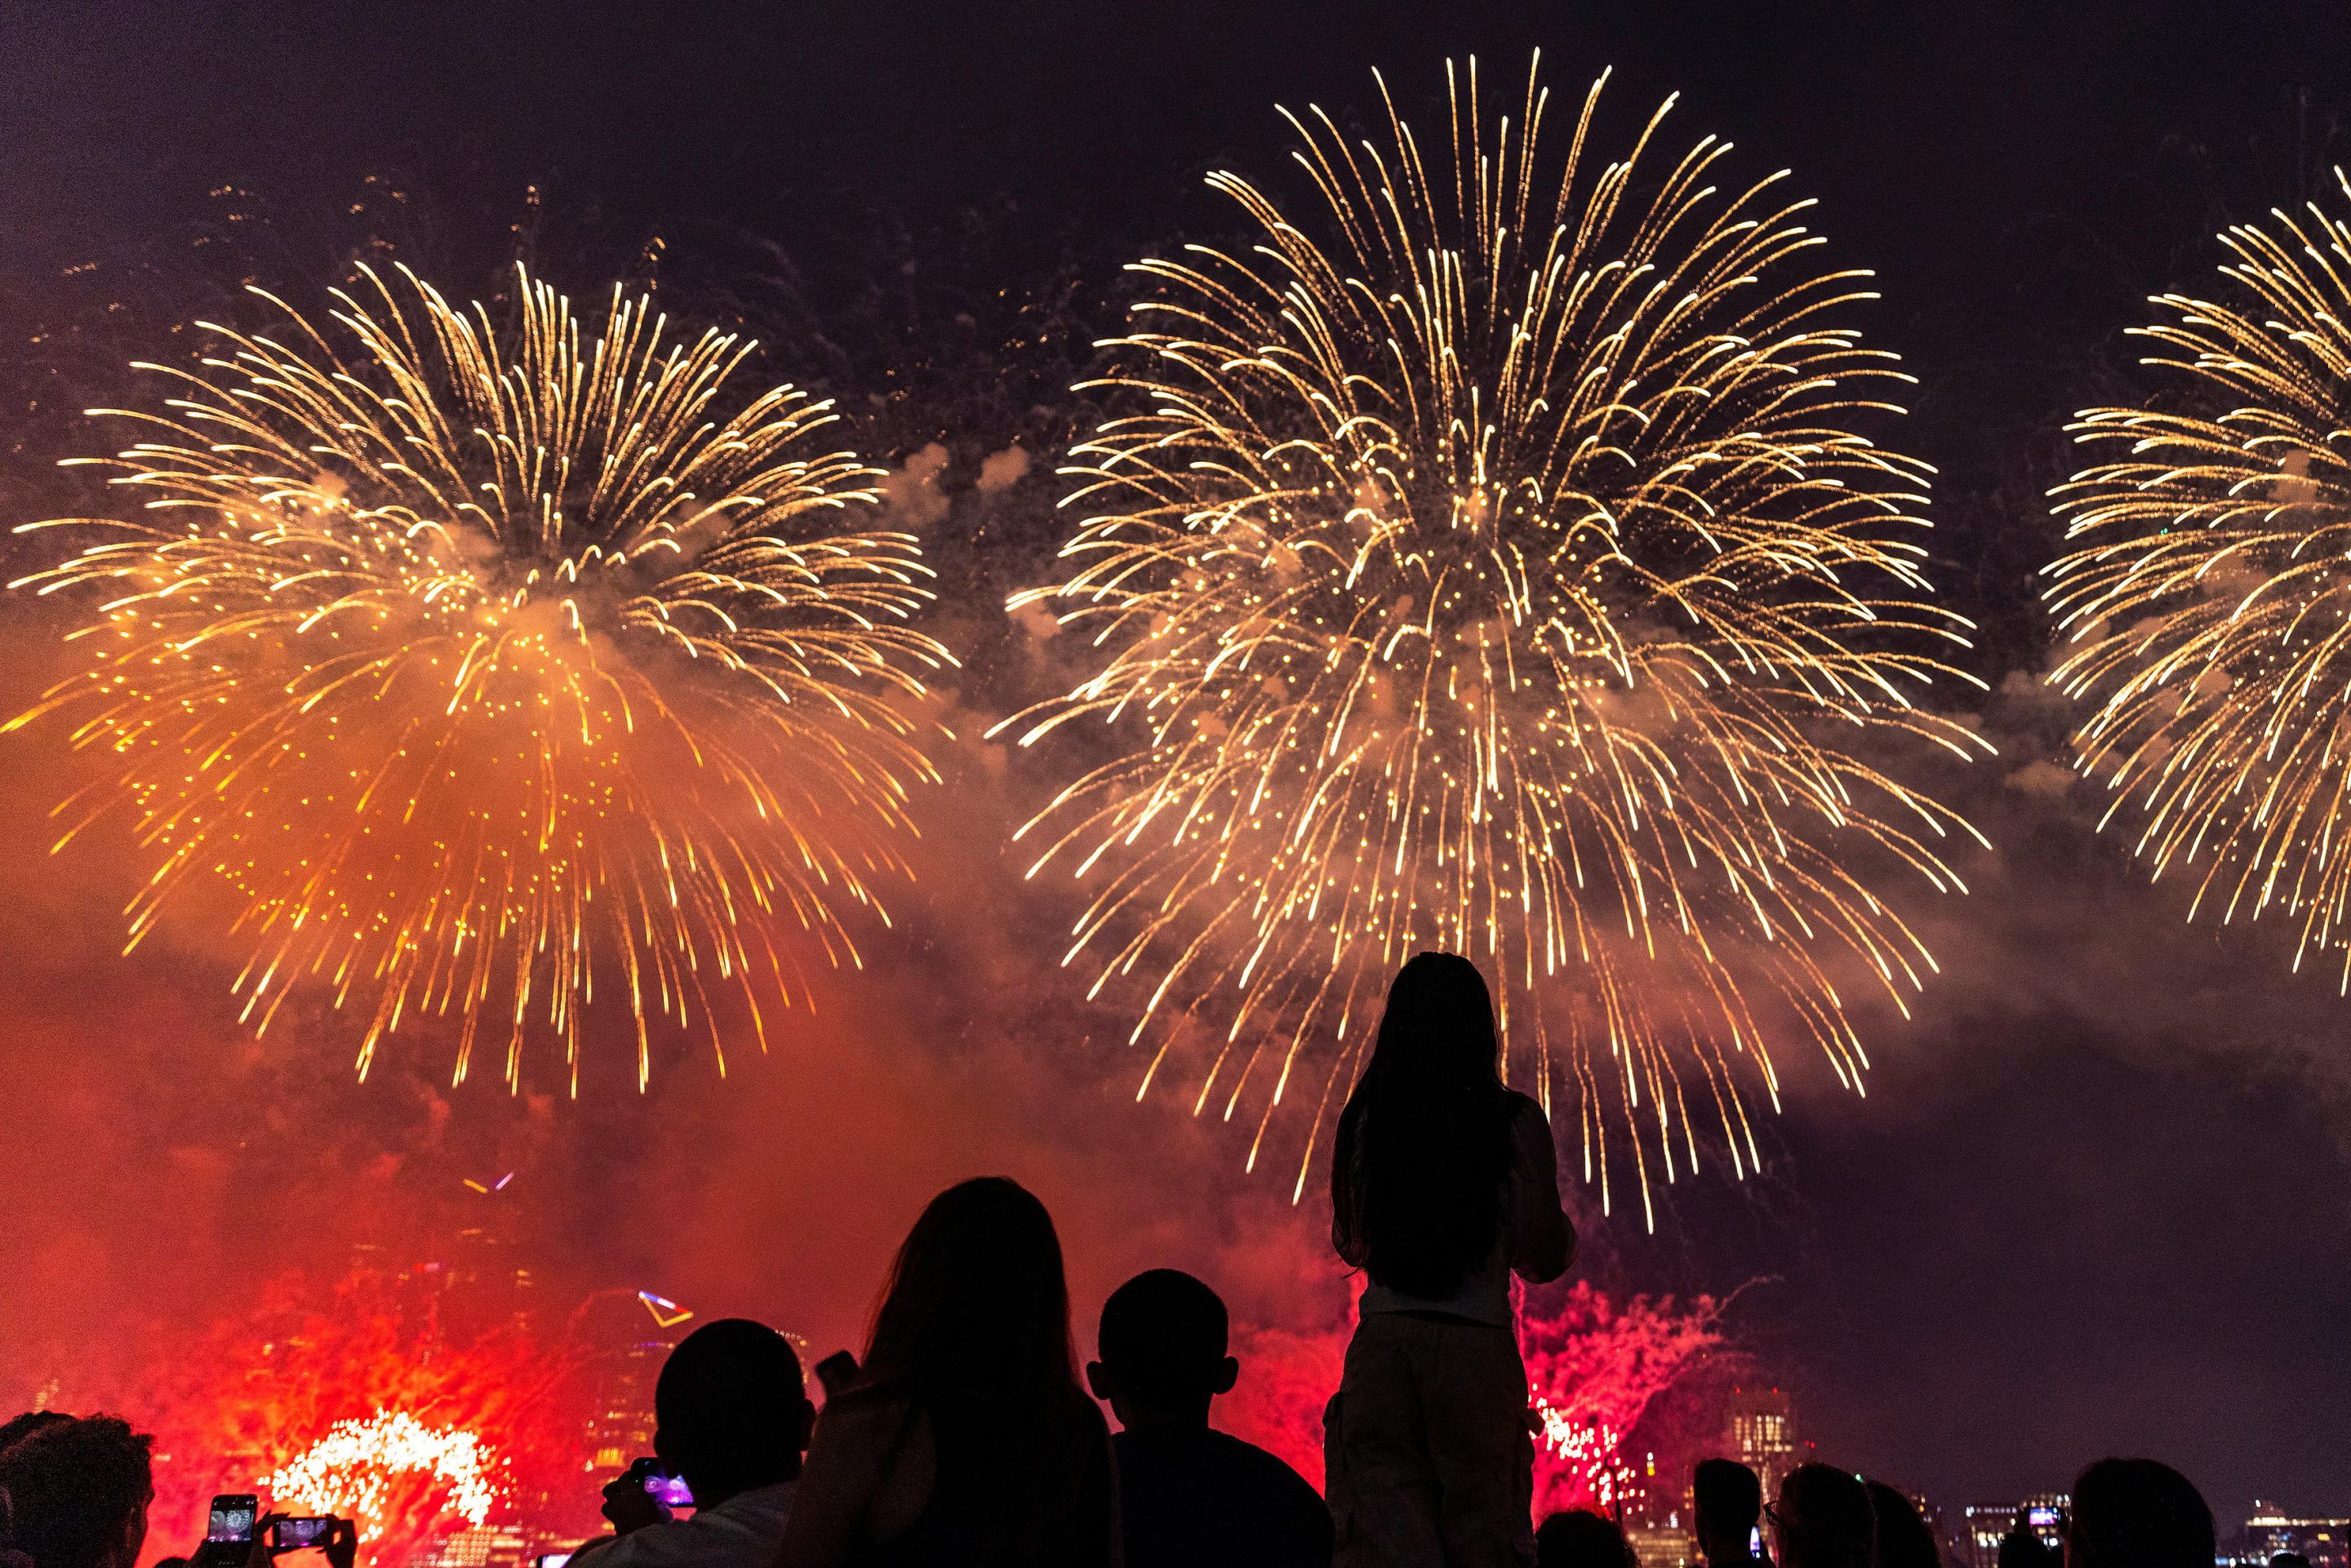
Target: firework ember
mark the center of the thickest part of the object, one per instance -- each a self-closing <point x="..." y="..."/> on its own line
<point x="481" y="669"/>
<point x="352" y="1469"/>
<point x="1496" y="566"/>
<point x="2209" y="603"/>
<point x="359" y="1398"/>
<point x="1594" y="1369"/>
<point x="1580" y="1459"/>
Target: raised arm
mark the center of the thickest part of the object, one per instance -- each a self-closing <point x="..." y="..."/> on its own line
<point x="1543" y="1242"/>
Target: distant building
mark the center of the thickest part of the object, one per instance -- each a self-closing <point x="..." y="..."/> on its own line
<point x="485" y="1546"/>
<point x="621" y="1427"/>
<point x="1759" y="1432"/>
<point x="1662" y="1546"/>
<point x="1642" y="1499"/>
<point x="2326" y="1542"/>
<point x="1988" y="1521"/>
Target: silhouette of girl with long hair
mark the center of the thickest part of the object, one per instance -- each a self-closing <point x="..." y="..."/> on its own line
<point x="1443" y="1183"/>
<point x="966" y="1437"/>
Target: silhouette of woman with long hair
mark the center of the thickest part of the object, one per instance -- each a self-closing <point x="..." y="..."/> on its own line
<point x="1443" y="1183"/>
<point x="964" y="1438"/>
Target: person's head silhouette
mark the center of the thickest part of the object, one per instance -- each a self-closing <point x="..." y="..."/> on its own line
<point x="1903" y="1541"/>
<point x="1439" y="1024"/>
<point x="976" y="1299"/>
<point x="1424" y="1140"/>
<point x="1581" y="1539"/>
<point x="1163" y="1350"/>
<point x="79" y="1491"/>
<point x="967" y="1409"/>
<point x="2137" y="1513"/>
<point x="1824" y="1520"/>
<point x="731" y="1409"/>
<point x="19" y="1427"/>
<point x="1730" y="1500"/>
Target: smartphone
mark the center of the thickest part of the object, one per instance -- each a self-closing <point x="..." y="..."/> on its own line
<point x="551" y="1559"/>
<point x="232" y="1517"/>
<point x="835" y="1371"/>
<point x="290" y="1535"/>
<point x="670" y="1492"/>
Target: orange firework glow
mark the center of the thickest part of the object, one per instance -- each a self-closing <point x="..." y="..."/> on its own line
<point x="353" y="1469"/>
<point x="2208" y="603"/>
<point x="1494" y="566"/>
<point x="363" y="1400"/>
<point x="469" y="665"/>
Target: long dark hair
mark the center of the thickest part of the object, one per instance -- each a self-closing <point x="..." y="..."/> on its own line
<point x="974" y="1330"/>
<point x="977" y="1304"/>
<point x="1424" y="1143"/>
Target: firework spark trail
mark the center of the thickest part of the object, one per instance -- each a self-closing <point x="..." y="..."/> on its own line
<point x="469" y="667"/>
<point x="351" y="1470"/>
<point x="1586" y="1457"/>
<point x="1594" y="1368"/>
<point x="1597" y="1369"/>
<point x="2209" y="603"/>
<point x="1496" y="572"/>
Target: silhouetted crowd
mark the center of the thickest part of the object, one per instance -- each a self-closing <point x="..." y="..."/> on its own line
<point x="966" y="1437"/>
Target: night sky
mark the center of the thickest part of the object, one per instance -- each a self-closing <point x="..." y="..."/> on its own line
<point x="2098" y="1198"/>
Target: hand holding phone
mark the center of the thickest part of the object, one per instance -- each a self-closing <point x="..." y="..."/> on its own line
<point x="232" y="1517"/>
<point x="669" y="1490"/>
<point x="632" y="1499"/>
<point x="836" y="1372"/>
<point x="342" y="1543"/>
<point x="293" y="1535"/>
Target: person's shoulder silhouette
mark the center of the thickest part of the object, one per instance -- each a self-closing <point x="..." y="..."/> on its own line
<point x="1207" y="1496"/>
<point x="1191" y="1494"/>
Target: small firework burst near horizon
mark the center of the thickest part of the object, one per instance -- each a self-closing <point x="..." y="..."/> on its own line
<point x="1493" y="560"/>
<point x="351" y="1470"/>
<point x="481" y="667"/>
<point x="2206" y="606"/>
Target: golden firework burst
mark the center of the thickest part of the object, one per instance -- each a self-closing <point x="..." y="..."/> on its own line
<point x="1491" y="564"/>
<point x="2208" y="602"/>
<point x="472" y="667"/>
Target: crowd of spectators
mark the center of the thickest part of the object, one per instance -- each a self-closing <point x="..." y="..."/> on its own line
<point x="966" y="1436"/>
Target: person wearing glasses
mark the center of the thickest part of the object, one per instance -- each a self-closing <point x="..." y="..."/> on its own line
<point x="1729" y="1501"/>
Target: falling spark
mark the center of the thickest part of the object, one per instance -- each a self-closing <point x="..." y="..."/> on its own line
<point x="1583" y="1456"/>
<point x="476" y="666"/>
<point x="2209" y="602"/>
<point x="1494" y="567"/>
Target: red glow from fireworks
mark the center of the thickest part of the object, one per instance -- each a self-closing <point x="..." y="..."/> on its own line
<point x="1593" y="1369"/>
<point x="391" y="1468"/>
<point x="261" y="1389"/>
<point x="1278" y="1404"/>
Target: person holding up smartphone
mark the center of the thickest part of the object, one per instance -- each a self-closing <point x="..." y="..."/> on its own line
<point x="239" y="1535"/>
<point x="732" y="1418"/>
